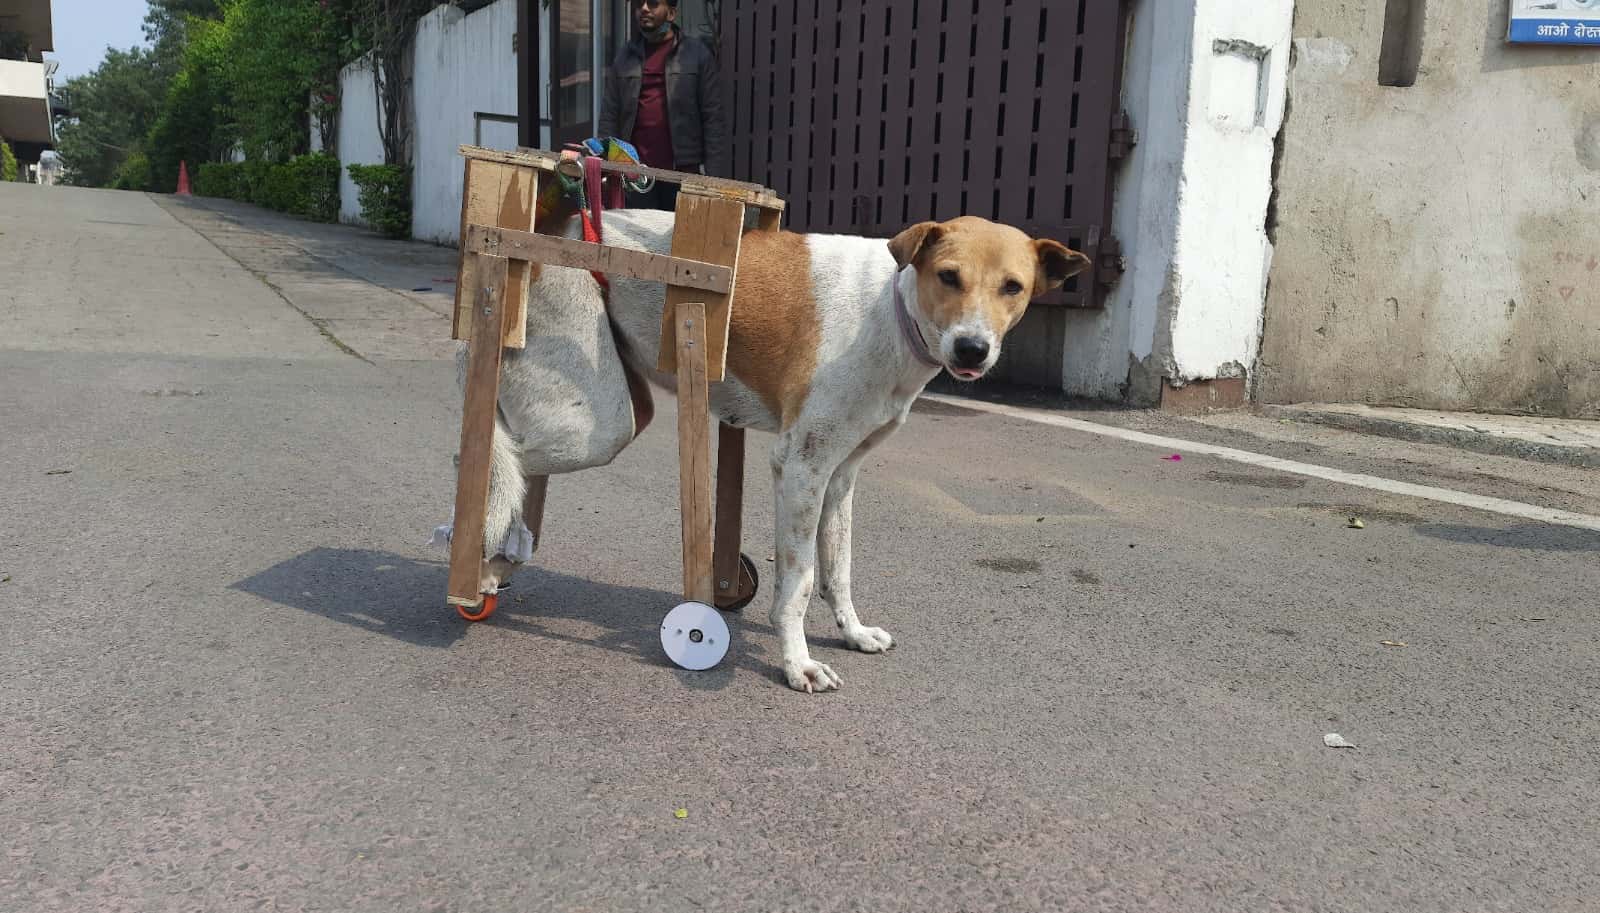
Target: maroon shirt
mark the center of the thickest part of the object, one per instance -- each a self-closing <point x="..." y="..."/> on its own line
<point x="651" y="134"/>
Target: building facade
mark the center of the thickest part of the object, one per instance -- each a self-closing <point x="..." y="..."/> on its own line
<point x="26" y="122"/>
<point x="1284" y="201"/>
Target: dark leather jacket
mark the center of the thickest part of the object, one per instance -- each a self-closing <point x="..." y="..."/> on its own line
<point x="694" y="103"/>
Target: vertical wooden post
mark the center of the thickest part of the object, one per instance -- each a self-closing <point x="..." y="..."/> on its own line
<point x="694" y="451"/>
<point x="477" y="428"/>
<point x="733" y="585"/>
<point x="533" y="506"/>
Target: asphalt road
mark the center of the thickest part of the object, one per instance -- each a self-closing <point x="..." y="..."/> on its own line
<point x="229" y="681"/>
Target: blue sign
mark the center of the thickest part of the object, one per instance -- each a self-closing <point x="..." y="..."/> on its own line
<point x="1555" y="22"/>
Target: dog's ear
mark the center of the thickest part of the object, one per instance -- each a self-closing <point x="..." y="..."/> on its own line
<point x="1057" y="264"/>
<point x="906" y="245"/>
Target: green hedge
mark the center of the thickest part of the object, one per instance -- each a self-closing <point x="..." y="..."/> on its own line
<point x="133" y="174"/>
<point x="220" y="179"/>
<point x="305" y="186"/>
<point x="385" y="198"/>
<point x="8" y="162"/>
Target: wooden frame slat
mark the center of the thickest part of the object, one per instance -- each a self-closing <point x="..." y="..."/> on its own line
<point x="694" y="451"/>
<point x="744" y="192"/>
<point x="617" y="261"/>
<point x="503" y="196"/>
<point x="477" y="429"/>
<point x="707" y="228"/>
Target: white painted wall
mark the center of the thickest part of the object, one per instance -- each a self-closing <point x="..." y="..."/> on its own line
<point x="358" y="133"/>
<point x="1191" y="201"/>
<point x="465" y="68"/>
<point x="1236" y="92"/>
<point x="24" y="106"/>
<point x="1155" y="94"/>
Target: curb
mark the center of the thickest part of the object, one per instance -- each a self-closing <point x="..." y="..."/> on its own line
<point x="1459" y="438"/>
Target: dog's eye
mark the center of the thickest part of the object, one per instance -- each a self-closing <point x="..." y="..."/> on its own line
<point x="1012" y="287"/>
<point x="950" y="278"/>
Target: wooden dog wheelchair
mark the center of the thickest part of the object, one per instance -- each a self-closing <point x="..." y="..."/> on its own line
<point x="499" y="245"/>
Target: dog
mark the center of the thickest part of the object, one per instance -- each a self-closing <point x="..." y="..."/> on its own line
<point x="831" y="340"/>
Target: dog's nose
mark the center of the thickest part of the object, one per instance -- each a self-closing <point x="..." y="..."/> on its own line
<point x="970" y="351"/>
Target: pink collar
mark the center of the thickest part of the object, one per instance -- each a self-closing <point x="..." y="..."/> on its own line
<point x="909" y="328"/>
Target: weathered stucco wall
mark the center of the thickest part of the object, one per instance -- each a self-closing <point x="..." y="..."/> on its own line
<point x="1437" y="245"/>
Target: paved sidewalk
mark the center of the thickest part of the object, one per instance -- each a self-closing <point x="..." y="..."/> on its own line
<point x="1574" y="442"/>
<point x="373" y="297"/>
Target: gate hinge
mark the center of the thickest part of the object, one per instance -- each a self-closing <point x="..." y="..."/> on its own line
<point x="1123" y="136"/>
<point x="1111" y="263"/>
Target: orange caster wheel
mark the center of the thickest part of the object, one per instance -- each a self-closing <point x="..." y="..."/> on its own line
<point x="491" y="601"/>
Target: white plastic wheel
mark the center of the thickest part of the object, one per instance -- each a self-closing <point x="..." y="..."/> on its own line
<point x="694" y="636"/>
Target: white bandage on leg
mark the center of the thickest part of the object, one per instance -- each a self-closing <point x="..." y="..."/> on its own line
<point x="517" y="548"/>
<point x="519" y="545"/>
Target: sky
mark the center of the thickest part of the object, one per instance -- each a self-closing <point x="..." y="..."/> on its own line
<point x="85" y="28"/>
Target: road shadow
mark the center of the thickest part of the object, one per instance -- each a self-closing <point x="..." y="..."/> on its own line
<point x="403" y="598"/>
<point x="1531" y="536"/>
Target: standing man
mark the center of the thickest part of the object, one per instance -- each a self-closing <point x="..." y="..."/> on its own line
<point x="664" y="96"/>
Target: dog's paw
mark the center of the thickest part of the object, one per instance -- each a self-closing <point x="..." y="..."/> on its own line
<point x="868" y="640"/>
<point x="811" y="676"/>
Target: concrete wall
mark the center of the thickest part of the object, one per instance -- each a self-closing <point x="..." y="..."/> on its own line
<point x="464" y="90"/>
<point x="1236" y="92"/>
<point x="358" y="133"/>
<point x="1437" y="245"/>
<point x="1204" y="85"/>
<point x="465" y="68"/>
<point x="1101" y="345"/>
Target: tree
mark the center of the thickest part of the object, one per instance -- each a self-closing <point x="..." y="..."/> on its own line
<point x="281" y="53"/>
<point x="113" y="109"/>
<point x="177" y="9"/>
<point x="194" y="124"/>
<point x="223" y="72"/>
<point x="8" y="162"/>
<point x="385" y="26"/>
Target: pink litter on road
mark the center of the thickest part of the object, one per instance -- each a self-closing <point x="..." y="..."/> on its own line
<point x="1175" y="458"/>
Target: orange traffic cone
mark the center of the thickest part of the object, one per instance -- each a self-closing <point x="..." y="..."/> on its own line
<point x="183" y="179"/>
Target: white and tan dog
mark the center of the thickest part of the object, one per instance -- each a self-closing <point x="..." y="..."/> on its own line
<point x="832" y="339"/>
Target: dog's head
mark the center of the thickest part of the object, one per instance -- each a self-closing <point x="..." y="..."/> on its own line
<point x="974" y="280"/>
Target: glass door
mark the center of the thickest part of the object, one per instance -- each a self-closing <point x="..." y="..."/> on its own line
<point x="580" y="53"/>
<point x="574" y="86"/>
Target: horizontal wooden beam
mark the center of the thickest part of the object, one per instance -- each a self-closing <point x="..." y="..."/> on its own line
<point x="749" y="194"/>
<point x="614" y="261"/>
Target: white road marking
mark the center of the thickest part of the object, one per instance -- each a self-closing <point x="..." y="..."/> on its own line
<point x="1360" y="480"/>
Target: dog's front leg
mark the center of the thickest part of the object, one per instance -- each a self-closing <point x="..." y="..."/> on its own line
<point x="798" y="477"/>
<point x="834" y="557"/>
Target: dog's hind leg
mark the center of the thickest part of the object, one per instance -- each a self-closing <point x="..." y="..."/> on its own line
<point x="507" y="489"/>
<point x="833" y="557"/>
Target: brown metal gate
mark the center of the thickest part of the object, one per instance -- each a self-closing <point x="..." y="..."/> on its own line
<point x="871" y="116"/>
